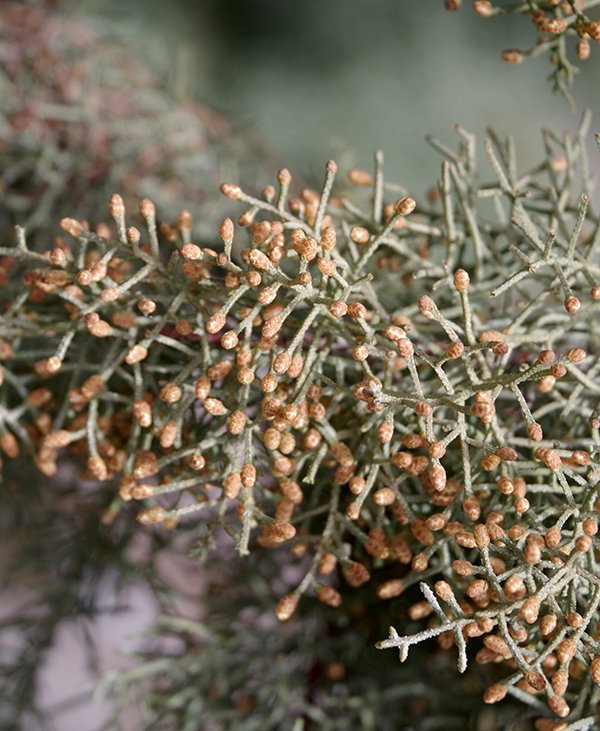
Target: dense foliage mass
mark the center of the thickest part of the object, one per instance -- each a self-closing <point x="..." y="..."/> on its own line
<point x="404" y="394"/>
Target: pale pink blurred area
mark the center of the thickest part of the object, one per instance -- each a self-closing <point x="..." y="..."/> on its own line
<point x="82" y="652"/>
<point x="87" y="651"/>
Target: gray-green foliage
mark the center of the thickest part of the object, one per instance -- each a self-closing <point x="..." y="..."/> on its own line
<point x="342" y="383"/>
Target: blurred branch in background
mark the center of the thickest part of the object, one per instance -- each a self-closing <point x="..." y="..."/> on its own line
<point x="82" y="118"/>
<point x="565" y="28"/>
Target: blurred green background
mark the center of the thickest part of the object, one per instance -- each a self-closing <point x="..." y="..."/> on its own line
<point x="340" y="78"/>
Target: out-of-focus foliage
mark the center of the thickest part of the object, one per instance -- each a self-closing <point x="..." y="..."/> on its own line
<point x="81" y="117"/>
<point x="238" y="668"/>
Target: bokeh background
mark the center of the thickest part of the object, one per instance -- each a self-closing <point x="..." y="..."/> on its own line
<point x="340" y="78"/>
<point x="309" y="80"/>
